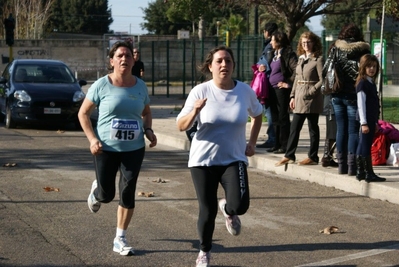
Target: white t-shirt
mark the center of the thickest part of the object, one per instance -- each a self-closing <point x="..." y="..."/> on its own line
<point x="221" y="136"/>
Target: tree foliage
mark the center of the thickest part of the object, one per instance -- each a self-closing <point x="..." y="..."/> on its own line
<point x="235" y="24"/>
<point x="189" y="10"/>
<point x="292" y="14"/>
<point x="80" y="16"/>
<point x="295" y="13"/>
<point x="167" y="17"/>
<point x="392" y="8"/>
<point x="34" y="18"/>
<point x="29" y="15"/>
<point x="334" y="22"/>
<point x="157" y="21"/>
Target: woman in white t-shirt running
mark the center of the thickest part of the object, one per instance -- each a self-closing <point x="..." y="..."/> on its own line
<point x="219" y="149"/>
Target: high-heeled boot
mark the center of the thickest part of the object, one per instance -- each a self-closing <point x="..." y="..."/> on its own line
<point x="327" y="160"/>
<point x="352" y="165"/>
<point x="360" y="173"/>
<point x="342" y="163"/>
<point x="370" y="175"/>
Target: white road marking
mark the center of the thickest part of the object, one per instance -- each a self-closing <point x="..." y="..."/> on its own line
<point x="353" y="256"/>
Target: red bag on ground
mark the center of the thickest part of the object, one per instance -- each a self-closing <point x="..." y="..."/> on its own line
<point x="380" y="149"/>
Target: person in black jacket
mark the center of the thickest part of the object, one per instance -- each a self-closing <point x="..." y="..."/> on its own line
<point x="264" y="65"/>
<point x="350" y="47"/>
<point x="368" y="113"/>
<point x="281" y="78"/>
<point x="138" y="67"/>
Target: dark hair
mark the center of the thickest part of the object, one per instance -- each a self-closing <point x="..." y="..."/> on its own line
<point x="281" y="39"/>
<point x="204" y="68"/>
<point x="317" y="47"/>
<point x="351" y="32"/>
<point x="115" y="47"/>
<point x="367" y="60"/>
<point x="270" y="27"/>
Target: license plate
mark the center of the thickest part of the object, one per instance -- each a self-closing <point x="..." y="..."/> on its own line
<point x="52" y="110"/>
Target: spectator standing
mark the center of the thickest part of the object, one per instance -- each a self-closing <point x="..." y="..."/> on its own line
<point x="221" y="107"/>
<point x="138" y="67"/>
<point x="306" y="99"/>
<point x="117" y="142"/>
<point x="264" y="66"/>
<point x="350" y="47"/>
<point x="281" y="78"/>
<point x="368" y="113"/>
<point x="331" y="134"/>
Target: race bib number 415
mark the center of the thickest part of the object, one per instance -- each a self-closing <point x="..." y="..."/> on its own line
<point x="124" y="130"/>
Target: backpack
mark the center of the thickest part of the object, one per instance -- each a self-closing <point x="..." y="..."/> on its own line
<point x="380" y="149"/>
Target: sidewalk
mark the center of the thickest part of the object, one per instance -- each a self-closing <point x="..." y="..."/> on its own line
<point x="165" y="110"/>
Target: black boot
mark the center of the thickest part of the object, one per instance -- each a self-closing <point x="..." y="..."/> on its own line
<point x="370" y="175"/>
<point x="342" y="163"/>
<point x="352" y="165"/>
<point x="327" y="160"/>
<point x="360" y="173"/>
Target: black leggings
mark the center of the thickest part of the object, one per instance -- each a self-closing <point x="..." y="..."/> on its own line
<point x="107" y="165"/>
<point x="234" y="180"/>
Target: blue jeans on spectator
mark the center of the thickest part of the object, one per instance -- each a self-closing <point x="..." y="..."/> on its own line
<point x="271" y="135"/>
<point x="345" y="108"/>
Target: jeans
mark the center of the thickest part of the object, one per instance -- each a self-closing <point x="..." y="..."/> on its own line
<point x="271" y="135"/>
<point x="345" y="108"/>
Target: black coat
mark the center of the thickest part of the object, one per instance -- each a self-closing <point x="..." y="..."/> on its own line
<point x="347" y="62"/>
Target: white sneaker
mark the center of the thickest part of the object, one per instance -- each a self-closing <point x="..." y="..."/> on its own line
<point x="203" y="259"/>
<point x="122" y="247"/>
<point x="92" y="202"/>
<point x="233" y="223"/>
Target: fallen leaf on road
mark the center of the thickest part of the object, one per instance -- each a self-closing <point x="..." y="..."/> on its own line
<point x="159" y="180"/>
<point x="146" y="194"/>
<point x="10" y="165"/>
<point x="48" y="189"/>
<point x="60" y="131"/>
<point x="329" y="230"/>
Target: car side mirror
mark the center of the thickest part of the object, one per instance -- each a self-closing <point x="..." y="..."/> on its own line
<point x="82" y="82"/>
<point x="3" y="80"/>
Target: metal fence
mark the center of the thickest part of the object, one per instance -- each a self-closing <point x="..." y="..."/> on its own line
<point x="175" y="62"/>
<point x="171" y="66"/>
<point x="171" y="62"/>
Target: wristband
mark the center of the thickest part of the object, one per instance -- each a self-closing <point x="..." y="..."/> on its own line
<point x="148" y="129"/>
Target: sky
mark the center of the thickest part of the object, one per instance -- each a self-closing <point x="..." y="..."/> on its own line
<point x="128" y="15"/>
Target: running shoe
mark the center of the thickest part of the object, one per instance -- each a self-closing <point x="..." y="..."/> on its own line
<point x="203" y="259"/>
<point x="122" y="247"/>
<point x="92" y="202"/>
<point x="233" y="223"/>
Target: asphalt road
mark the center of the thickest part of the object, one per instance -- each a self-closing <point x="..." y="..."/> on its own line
<point x="39" y="228"/>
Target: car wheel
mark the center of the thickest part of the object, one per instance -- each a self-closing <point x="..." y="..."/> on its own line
<point x="10" y="123"/>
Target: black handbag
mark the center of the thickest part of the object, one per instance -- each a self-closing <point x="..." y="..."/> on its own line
<point x="331" y="81"/>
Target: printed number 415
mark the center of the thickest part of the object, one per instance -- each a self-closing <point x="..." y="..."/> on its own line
<point x="125" y="135"/>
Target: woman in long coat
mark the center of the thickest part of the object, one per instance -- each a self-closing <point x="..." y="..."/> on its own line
<point x="306" y="99"/>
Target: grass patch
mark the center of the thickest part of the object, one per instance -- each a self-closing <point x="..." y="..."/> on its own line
<point x="390" y="109"/>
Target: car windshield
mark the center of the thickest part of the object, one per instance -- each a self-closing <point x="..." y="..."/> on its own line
<point x="43" y="74"/>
